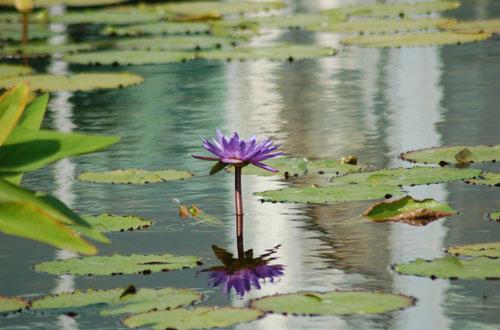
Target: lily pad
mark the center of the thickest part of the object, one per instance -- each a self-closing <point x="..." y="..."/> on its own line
<point x="491" y="250"/>
<point x="197" y="318"/>
<point x="494" y="216"/>
<point x="175" y="43"/>
<point x="134" y="176"/>
<point x="415" y="39"/>
<point x="110" y="222"/>
<point x="118" y="301"/>
<point x="159" y="28"/>
<point x="107" y="17"/>
<point x="333" y="303"/>
<point x="279" y="52"/>
<point x="395" y="9"/>
<point x="129" y="57"/>
<point x="488" y="26"/>
<point x="329" y="194"/>
<point x="409" y="210"/>
<point x="11" y="304"/>
<point x="11" y="70"/>
<point x="76" y="82"/>
<point x="217" y="8"/>
<point x="452" y="268"/>
<point x="487" y="178"/>
<point x="36" y="50"/>
<point x="118" y="264"/>
<point x="68" y="3"/>
<point x="13" y="31"/>
<point x="447" y="155"/>
<point x="407" y="176"/>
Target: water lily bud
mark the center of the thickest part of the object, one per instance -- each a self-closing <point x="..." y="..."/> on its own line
<point x="24" y="5"/>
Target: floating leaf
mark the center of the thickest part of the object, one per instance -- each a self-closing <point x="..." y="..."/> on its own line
<point x="159" y="28"/>
<point x="142" y="300"/>
<point x="333" y="303"/>
<point x="44" y="49"/>
<point x="407" y="176"/>
<point x="107" y="17"/>
<point x="409" y="210"/>
<point x="415" y="39"/>
<point x="106" y="223"/>
<point x="452" y="268"/>
<point x="446" y="155"/>
<point x="217" y="8"/>
<point x="175" y="43"/>
<point x="11" y="70"/>
<point x="118" y="264"/>
<point x="491" y="250"/>
<point x="329" y="194"/>
<point x="487" y="178"/>
<point x="494" y="216"/>
<point x="67" y="3"/>
<point x="395" y="9"/>
<point x="199" y="215"/>
<point x="134" y="176"/>
<point x="198" y="318"/>
<point x="330" y="167"/>
<point x="12" y="304"/>
<point x="13" y="32"/>
<point x="488" y="26"/>
<point x="129" y="57"/>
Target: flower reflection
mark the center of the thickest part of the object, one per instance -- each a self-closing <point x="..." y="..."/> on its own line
<point x="243" y="273"/>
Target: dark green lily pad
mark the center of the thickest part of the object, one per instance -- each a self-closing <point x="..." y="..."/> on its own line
<point x="488" y="26"/>
<point x="13" y="32"/>
<point x="452" y="268"/>
<point x="12" y="70"/>
<point x="107" y="17"/>
<point x="134" y="176"/>
<point x="12" y="304"/>
<point x="197" y="318"/>
<point x="415" y="39"/>
<point x="407" y="176"/>
<point x="333" y="303"/>
<point x="76" y="82"/>
<point x="37" y="50"/>
<point x="129" y="57"/>
<point x="395" y="9"/>
<point x="159" y="28"/>
<point x="217" y="8"/>
<point x="118" y="264"/>
<point x="447" y="155"/>
<point x="110" y="222"/>
<point x="330" y="194"/>
<point x="68" y="3"/>
<point x="487" y="178"/>
<point x="118" y="301"/>
<point x="175" y="43"/>
<point x="491" y="250"/>
<point x="409" y="210"/>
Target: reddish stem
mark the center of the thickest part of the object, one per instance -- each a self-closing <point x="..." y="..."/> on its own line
<point x="25" y="28"/>
<point x="239" y="210"/>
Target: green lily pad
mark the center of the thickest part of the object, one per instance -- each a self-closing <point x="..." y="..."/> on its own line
<point x="452" y="268"/>
<point x="448" y="155"/>
<point x="407" y="176"/>
<point x="491" y="250"/>
<point x="279" y="52"/>
<point x="13" y="32"/>
<point x="68" y="3"/>
<point x="487" y="178"/>
<point x="197" y="318"/>
<point x="118" y="301"/>
<point x="110" y="222"/>
<point x="129" y="57"/>
<point x="488" y="26"/>
<point x="329" y="194"/>
<point x="134" y="176"/>
<point x="395" y="9"/>
<point x="494" y="216"/>
<point x="175" y="43"/>
<point x="159" y="28"/>
<point x="218" y="8"/>
<point x="12" y="70"/>
<point x="107" y="17"/>
<point x="333" y="303"/>
<point x="36" y="50"/>
<point x="11" y="304"/>
<point x="76" y="82"/>
<point x="409" y="210"/>
<point x="118" y="264"/>
<point x="415" y="39"/>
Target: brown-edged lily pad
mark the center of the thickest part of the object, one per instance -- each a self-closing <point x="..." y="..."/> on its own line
<point x="409" y="210"/>
<point x="106" y="222"/>
<point x="489" y="26"/>
<point x="448" y="155"/>
<point x="11" y="304"/>
<point x="134" y="176"/>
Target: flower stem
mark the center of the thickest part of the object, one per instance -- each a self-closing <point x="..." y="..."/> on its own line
<point x="239" y="210"/>
<point x="25" y="28"/>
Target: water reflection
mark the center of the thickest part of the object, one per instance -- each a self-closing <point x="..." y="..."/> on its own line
<point x="245" y="272"/>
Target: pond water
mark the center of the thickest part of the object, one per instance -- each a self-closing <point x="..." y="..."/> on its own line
<point x="374" y="103"/>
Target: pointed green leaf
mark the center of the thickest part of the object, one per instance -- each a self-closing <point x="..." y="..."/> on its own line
<point x="12" y="105"/>
<point x="33" y="115"/>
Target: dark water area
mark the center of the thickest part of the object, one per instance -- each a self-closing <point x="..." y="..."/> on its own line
<point x="373" y="103"/>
